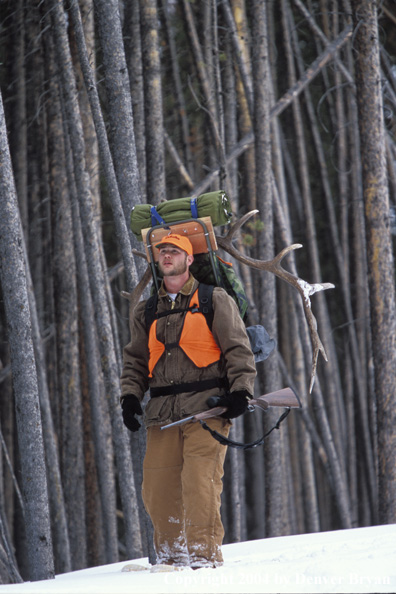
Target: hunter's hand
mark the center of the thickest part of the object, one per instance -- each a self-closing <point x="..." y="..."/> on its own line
<point x="235" y="402"/>
<point x="130" y="407"/>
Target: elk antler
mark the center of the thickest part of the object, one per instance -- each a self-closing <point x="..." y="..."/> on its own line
<point x="137" y="292"/>
<point x="305" y="289"/>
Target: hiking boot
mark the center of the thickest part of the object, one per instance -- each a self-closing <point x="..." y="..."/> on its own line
<point x="204" y="563"/>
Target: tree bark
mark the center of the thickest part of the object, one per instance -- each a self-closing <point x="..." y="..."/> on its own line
<point x="30" y="437"/>
<point x="266" y="292"/>
<point x="154" y="126"/>
<point x="120" y="114"/>
<point x="120" y="218"/>
<point x="133" y="56"/>
<point x="379" y="245"/>
<point x="18" y="130"/>
<point x="180" y="98"/>
<point x="60" y="532"/>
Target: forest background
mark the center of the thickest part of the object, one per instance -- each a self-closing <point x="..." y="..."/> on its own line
<point x="287" y="105"/>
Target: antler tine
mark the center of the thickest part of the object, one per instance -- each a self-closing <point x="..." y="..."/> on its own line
<point x="139" y="253"/>
<point x="232" y="230"/>
<point x="137" y="292"/>
<point x="274" y="266"/>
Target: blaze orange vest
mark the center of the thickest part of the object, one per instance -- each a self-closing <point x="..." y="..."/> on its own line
<point x="196" y="340"/>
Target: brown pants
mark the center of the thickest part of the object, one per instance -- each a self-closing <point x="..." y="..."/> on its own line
<point x="182" y="485"/>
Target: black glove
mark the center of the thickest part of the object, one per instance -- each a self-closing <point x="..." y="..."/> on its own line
<point x="236" y="403"/>
<point x="130" y="407"/>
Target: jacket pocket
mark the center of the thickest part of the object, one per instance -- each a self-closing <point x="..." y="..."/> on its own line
<point x="191" y="405"/>
<point x="158" y="410"/>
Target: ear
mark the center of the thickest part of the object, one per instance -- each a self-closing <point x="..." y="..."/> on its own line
<point x="190" y="260"/>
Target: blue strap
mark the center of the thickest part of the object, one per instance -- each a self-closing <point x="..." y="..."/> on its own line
<point x="156" y="219"/>
<point x="194" y="208"/>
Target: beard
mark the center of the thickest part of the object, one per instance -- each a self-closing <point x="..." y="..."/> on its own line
<point x="175" y="269"/>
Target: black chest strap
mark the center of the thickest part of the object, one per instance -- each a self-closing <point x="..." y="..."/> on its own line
<point x="205" y="307"/>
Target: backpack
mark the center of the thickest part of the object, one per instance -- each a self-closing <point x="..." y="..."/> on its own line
<point x="217" y="272"/>
<point x="210" y="271"/>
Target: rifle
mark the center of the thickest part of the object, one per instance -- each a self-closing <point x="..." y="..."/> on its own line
<point x="285" y="398"/>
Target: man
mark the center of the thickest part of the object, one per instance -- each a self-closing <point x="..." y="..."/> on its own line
<point x="184" y="363"/>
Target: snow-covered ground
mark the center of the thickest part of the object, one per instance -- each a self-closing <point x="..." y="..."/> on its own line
<point x="358" y="560"/>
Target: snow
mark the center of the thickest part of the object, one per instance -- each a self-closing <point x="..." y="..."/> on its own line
<point x="309" y="289"/>
<point x="356" y="560"/>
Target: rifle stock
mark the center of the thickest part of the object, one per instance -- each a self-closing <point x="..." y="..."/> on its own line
<point x="285" y="398"/>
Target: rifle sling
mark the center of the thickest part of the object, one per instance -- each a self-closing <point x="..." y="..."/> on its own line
<point x="239" y="445"/>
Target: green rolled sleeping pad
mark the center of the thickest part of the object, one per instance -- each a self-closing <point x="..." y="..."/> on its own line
<point x="215" y="205"/>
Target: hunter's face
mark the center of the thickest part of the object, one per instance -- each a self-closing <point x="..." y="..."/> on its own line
<point x="172" y="261"/>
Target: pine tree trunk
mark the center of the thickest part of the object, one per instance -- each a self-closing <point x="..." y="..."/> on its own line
<point x="30" y="438"/>
<point x="268" y="311"/>
<point x="133" y="56"/>
<point x="18" y="130"/>
<point x="154" y="128"/>
<point x="120" y="115"/>
<point x="379" y="245"/>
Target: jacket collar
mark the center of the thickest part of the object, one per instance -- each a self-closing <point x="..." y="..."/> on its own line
<point x="186" y="289"/>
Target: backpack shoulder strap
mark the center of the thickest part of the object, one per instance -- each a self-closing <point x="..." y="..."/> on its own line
<point x="205" y="293"/>
<point x="151" y="310"/>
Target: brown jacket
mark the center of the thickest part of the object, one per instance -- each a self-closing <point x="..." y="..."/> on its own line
<point x="236" y="363"/>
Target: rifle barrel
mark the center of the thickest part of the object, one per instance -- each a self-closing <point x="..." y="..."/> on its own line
<point x="180" y="422"/>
